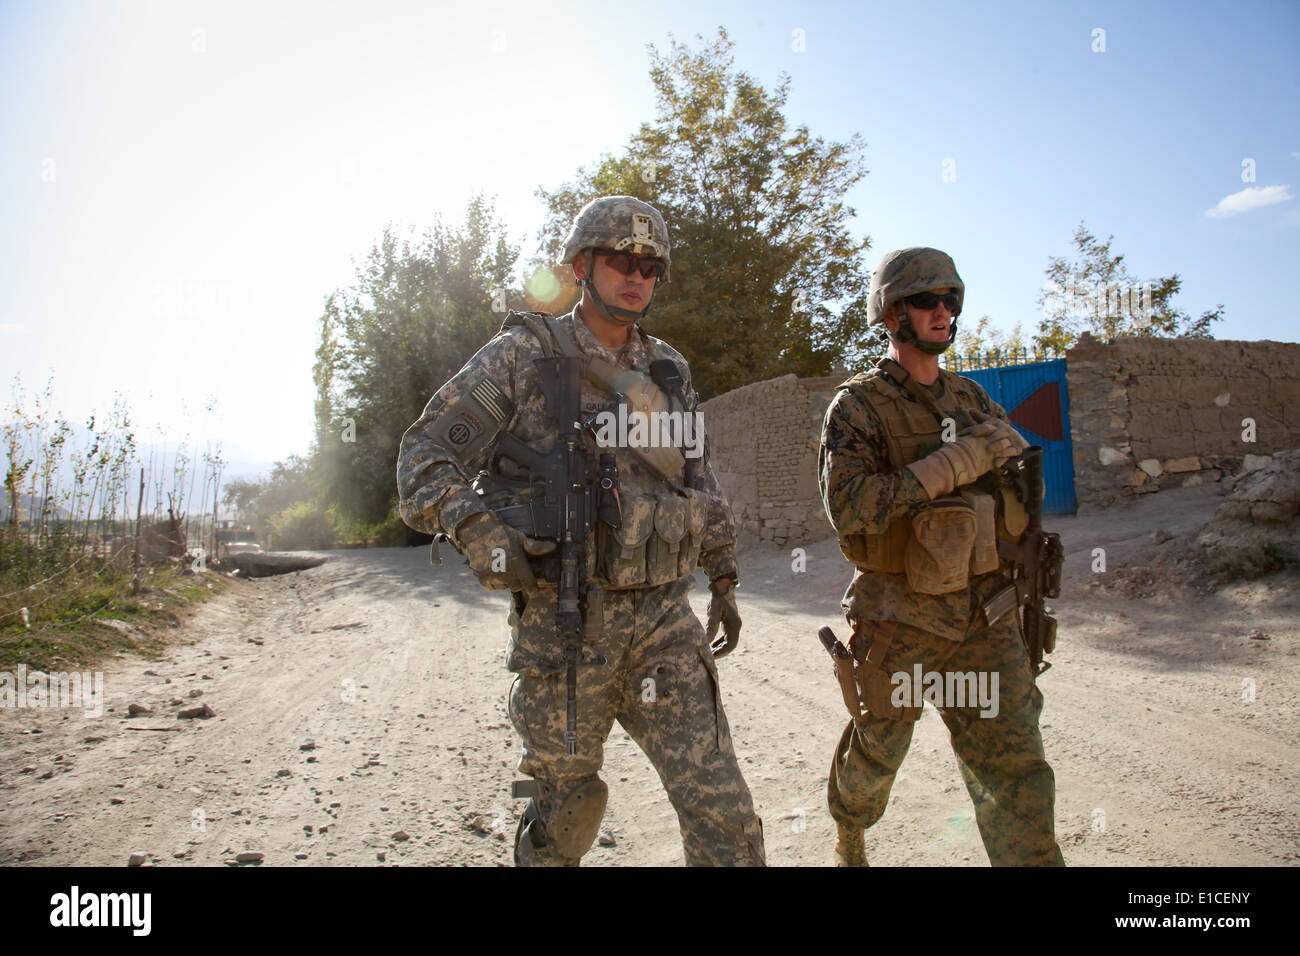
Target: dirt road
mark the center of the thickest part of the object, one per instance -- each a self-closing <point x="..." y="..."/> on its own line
<point x="360" y="717"/>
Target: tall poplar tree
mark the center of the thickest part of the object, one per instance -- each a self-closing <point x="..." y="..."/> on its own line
<point x="420" y="308"/>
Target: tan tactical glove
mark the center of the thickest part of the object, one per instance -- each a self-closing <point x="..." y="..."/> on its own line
<point x="1018" y="444"/>
<point x="1003" y="429"/>
<point x="975" y="452"/>
<point x="723" y="610"/>
<point x="498" y="554"/>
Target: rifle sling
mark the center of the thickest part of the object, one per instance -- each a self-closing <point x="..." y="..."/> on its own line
<point x="554" y="340"/>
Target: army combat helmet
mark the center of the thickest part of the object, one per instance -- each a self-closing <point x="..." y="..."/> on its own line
<point x="623" y="224"/>
<point x="905" y="272"/>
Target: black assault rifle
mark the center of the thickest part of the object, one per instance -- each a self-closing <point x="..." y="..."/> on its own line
<point x="1037" y="557"/>
<point x="569" y="494"/>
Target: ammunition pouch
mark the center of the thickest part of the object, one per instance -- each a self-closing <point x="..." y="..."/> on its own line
<point x="984" y="550"/>
<point x="621" y="552"/>
<point x="929" y="547"/>
<point x="659" y="540"/>
<point x="1015" y="516"/>
<point x="879" y="552"/>
<point x="937" y="557"/>
<point x="671" y="524"/>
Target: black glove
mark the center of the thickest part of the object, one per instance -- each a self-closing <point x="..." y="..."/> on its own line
<point x="723" y="610"/>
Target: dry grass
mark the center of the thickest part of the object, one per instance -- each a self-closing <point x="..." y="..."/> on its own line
<point x="81" y="620"/>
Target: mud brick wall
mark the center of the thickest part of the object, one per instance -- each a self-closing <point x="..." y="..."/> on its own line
<point x="763" y="439"/>
<point x="1148" y="414"/>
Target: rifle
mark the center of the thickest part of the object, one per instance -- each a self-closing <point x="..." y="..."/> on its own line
<point x="1037" y="557"/>
<point x="571" y="494"/>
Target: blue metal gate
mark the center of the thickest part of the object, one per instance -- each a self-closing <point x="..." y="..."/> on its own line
<point x="1038" y="404"/>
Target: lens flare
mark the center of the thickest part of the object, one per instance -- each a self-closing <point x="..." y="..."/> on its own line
<point x="545" y="291"/>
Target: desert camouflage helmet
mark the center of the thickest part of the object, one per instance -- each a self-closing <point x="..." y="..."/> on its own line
<point x="905" y="272"/>
<point x="621" y="223"/>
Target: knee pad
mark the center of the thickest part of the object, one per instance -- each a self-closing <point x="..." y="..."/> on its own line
<point x="570" y="829"/>
<point x="575" y="822"/>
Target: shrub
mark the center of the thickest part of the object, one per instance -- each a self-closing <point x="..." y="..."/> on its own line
<point x="1252" y="561"/>
<point x="305" y="526"/>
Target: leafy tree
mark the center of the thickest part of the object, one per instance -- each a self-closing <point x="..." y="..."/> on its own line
<point x="985" y="337"/>
<point x="419" y="309"/>
<point x="761" y="245"/>
<point x="1096" y="293"/>
<point x="304" y="526"/>
<point x="258" y="502"/>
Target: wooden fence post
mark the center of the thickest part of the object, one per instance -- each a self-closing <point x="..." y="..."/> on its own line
<point x="135" y="557"/>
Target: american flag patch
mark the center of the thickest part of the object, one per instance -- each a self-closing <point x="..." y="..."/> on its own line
<point x="491" y="398"/>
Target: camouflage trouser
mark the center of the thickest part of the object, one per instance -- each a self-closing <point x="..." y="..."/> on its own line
<point x="1001" y="758"/>
<point x="661" y="685"/>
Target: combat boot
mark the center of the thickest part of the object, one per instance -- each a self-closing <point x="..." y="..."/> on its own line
<point x="850" y="846"/>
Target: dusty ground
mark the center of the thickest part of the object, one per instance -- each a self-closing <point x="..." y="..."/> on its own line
<point x="1145" y="723"/>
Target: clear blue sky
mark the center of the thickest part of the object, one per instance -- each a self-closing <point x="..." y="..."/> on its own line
<point x="182" y="184"/>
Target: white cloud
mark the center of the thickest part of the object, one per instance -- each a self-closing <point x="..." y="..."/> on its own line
<point x="12" y="328"/>
<point x="1252" y="197"/>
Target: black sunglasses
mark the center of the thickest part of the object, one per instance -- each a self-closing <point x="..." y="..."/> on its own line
<point x="931" y="300"/>
<point x="626" y="263"/>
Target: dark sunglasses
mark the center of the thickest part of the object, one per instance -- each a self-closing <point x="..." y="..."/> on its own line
<point x="931" y="300"/>
<point x="626" y="263"/>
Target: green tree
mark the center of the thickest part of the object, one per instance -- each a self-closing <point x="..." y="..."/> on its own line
<point x="421" y="306"/>
<point x="304" y="526"/>
<point x="986" y="337"/>
<point x="766" y="278"/>
<point x="258" y="502"/>
<point x="981" y="344"/>
<point x="1096" y="293"/>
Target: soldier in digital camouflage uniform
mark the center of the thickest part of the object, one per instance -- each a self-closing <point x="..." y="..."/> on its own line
<point x="908" y="442"/>
<point x="659" y="679"/>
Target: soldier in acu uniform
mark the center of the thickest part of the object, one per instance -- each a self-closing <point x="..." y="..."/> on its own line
<point x="908" y="471"/>
<point x="650" y="666"/>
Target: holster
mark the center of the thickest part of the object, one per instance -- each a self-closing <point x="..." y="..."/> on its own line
<point x="844" y="673"/>
<point x="864" y="684"/>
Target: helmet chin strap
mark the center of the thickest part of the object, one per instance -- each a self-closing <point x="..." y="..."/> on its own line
<point x="906" y="335"/>
<point x="613" y="313"/>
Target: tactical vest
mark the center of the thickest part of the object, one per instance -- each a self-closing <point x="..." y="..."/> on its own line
<point x="660" y="535"/>
<point x="913" y="424"/>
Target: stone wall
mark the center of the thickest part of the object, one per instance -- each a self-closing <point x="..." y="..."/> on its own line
<point x="763" y="440"/>
<point x="1147" y="414"/>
